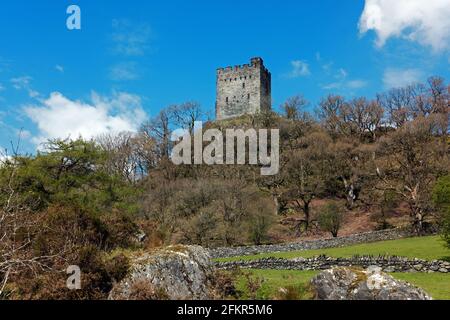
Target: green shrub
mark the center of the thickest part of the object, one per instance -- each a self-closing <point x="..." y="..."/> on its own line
<point x="330" y="218"/>
<point x="441" y="199"/>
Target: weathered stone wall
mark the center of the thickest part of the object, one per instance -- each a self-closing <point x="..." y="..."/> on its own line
<point x="388" y="264"/>
<point x="266" y="90"/>
<point x="313" y="244"/>
<point x="243" y="90"/>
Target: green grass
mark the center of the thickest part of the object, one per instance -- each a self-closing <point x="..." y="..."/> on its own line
<point x="427" y="248"/>
<point x="273" y="280"/>
<point x="435" y="284"/>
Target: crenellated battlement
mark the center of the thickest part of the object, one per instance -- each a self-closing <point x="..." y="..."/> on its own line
<point x="243" y="89"/>
<point x="255" y="63"/>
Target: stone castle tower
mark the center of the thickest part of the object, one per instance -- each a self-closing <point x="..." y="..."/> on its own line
<point x="243" y="90"/>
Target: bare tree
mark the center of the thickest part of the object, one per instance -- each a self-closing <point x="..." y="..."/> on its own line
<point x="399" y="103"/>
<point x="330" y="111"/>
<point x="293" y="107"/>
<point x="363" y="117"/>
<point x="17" y="228"/>
<point x="347" y="162"/>
<point x="408" y="162"/>
<point x="121" y="159"/>
<point x="186" y="114"/>
<point x="158" y="129"/>
<point x="306" y="173"/>
<point x="439" y="95"/>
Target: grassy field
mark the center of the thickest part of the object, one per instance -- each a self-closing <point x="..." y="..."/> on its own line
<point x="269" y="282"/>
<point x="435" y="284"/>
<point x="427" y="248"/>
<point x="273" y="280"/>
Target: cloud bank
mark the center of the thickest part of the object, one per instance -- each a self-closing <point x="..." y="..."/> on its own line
<point x="424" y="21"/>
<point x="396" y="78"/>
<point x="60" y="117"/>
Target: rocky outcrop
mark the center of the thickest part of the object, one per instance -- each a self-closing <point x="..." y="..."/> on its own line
<point x="388" y="264"/>
<point x="360" y="284"/>
<point x="367" y="237"/>
<point x="173" y="273"/>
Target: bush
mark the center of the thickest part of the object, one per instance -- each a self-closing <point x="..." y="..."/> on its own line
<point x="292" y="293"/>
<point x="261" y="221"/>
<point x="330" y="218"/>
<point x="61" y="208"/>
<point x="223" y="284"/>
<point x="441" y="199"/>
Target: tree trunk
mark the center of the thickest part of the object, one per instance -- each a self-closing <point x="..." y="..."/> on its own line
<point x="350" y="193"/>
<point x="277" y="204"/>
<point x="307" y="212"/>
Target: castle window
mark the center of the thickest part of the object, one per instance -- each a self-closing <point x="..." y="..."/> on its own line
<point x="248" y="97"/>
<point x="227" y="99"/>
<point x="243" y="85"/>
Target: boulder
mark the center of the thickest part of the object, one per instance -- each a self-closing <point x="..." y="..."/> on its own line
<point x="172" y="273"/>
<point x="360" y="284"/>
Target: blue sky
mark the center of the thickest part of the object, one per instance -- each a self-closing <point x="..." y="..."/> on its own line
<point x="132" y="58"/>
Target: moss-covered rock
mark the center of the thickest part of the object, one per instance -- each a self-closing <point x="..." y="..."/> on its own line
<point x="360" y="284"/>
<point x="174" y="273"/>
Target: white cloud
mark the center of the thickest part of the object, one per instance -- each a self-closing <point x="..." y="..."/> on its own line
<point x="59" y="68"/>
<point x="3" y="159"/>
<point x="342" y="81"/>
<point x="342" y="74"/>
<point x="24" y="83"/>
<point x="332" y="86"/>
<point x="396" y="78"/>
<point x="3" y="155"/>
<point x="357" y="84"/>
<point x="60" y="117"/>
<point x="130" y="39"/>
<point x="21" y="82"/>
<point x="24" y="134"/>
<point x="424" y="21"/>
<point x="299" y="69"/>
<point x="124" y="71"/>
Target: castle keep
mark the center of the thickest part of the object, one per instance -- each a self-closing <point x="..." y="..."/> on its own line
<point x="243" y="90"/>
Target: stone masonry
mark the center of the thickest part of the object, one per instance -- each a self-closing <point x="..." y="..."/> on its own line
<point x="387" y="264"/>
<point x="243" y="90"/>
<point x="367" y="237"/>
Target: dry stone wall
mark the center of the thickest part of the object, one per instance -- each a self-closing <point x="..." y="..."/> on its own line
<point x="387" y="264"/>
<point x="313" y="244"/>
